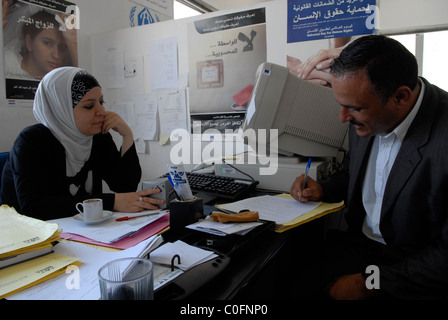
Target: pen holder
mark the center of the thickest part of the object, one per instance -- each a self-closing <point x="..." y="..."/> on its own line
<point x="183" y="213"/>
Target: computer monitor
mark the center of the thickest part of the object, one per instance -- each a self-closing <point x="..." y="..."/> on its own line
<point x="305" y="114"/>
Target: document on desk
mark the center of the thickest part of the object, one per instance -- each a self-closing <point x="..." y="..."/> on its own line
<point x="278" y="209"/>
<point x="222" y="229"/>
<point x="24" y="274"/>
<point x="108" y="231"/>
<point x="81" y="282"/>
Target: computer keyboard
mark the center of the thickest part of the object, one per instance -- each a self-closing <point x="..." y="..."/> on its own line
<point x="220" y="187"/>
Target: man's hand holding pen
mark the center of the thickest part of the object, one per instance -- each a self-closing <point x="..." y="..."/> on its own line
<point x="311" y="192"/>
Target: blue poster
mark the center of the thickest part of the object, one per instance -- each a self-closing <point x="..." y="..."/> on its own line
<point x="313" y="20"/>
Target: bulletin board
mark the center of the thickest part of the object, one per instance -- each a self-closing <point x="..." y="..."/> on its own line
<point x="157" y="76"/>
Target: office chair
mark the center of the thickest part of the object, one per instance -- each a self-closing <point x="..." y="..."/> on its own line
<point x="3" y="158"/>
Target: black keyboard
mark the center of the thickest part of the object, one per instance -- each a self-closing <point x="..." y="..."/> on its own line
<point x="220" y="187"/>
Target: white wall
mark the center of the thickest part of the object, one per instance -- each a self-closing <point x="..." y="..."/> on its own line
<point x="411" y="16"/>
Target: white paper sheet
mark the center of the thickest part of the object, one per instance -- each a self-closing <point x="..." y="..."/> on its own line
<point x="112" y="66"/>
<point x="163" y="63"/>
<point x="277" y="209"/>
<point x="172" y="112"/>
<point x="125" y="110"/>
<point x="108" y="231"/>
<point x="222" y="229"/>
<point x="146" y="125"/>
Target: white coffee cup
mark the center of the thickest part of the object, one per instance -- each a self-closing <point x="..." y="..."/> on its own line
<point x="92" y="209"/>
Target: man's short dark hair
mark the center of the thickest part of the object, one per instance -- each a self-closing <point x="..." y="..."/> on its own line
<point x="388" y="64"/>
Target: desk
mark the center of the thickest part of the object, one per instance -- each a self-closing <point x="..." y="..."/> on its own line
<point x="248" y="262"/>
<point x="245" y="265"/>
<point x="251" y="271"/>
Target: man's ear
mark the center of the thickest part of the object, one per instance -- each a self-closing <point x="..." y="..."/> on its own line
<point x="402" y="95"/>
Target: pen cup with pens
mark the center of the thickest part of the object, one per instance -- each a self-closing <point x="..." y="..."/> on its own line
<point x="186" y="208"/>
<point x="127" y="279"/>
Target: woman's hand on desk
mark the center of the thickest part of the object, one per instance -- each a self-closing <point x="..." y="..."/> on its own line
<point x="312" y="192"/>
<point x="137" y="201"/>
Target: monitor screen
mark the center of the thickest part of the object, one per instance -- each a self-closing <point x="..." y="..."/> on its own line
<point x="305" y="115"/>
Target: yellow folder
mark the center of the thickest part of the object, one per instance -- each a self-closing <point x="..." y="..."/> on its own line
<point x="322" y="210"/>
<point x="20" y="234"/>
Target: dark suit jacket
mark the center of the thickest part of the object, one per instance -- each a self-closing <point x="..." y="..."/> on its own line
<point x="414" y="213"/>
<point x="34" y="179"/>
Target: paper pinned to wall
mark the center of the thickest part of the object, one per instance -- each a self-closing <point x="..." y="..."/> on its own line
<point x="163" y="63"/>
<point x="125" y="110"/>
<point x="140" y="146"/>
<point x="133" y="74"/>
<point x="146" y="126"/>
<point x="112" y="65"/>
<point x="172" y="113"/>
<point x="140" y="124"/>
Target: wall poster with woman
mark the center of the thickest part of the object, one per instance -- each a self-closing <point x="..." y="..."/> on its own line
<point x="37" y="38"/>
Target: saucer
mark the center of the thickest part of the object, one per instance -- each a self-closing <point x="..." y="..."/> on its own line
<point x="106" y="215"/>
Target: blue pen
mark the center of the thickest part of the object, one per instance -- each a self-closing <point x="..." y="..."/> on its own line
<point x="305" y="180"/>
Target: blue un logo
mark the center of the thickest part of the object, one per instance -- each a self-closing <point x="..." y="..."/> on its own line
<point x="143" y="17"/>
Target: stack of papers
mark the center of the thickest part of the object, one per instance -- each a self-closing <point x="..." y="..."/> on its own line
<point x="23" y="238"/>
<point x="32" y="272"/>
<point x="283" y="209"/>
<point x="81" y="284"/>
<point x="115" y="234"/>
<point x="222" y="229"/>
<point x="25" y="244"/>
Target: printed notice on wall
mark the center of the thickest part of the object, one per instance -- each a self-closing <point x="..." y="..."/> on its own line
<point x="112" y="65"/>
<point x="163" y="63"/>
<point x="313" y="20"/>
<point x="224" y="55"/>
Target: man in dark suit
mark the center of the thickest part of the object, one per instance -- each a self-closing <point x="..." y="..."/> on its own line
<point x="395" y="176"/>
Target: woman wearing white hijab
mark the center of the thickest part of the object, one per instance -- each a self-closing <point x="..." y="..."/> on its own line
<point x="64" y="159"/>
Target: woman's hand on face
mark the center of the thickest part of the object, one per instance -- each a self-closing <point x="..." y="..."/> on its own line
<point x="115" y="122"/>
<point x="137" y="201"/>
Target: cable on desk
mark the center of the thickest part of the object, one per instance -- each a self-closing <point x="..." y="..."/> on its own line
<point x="248" y="175"/>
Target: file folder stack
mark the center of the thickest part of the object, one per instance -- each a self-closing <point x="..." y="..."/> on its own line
<point x="26" y="251"/>
<point x="23" y="238"/>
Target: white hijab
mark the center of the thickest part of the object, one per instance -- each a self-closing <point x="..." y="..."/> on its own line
<point x="53" y="107"/>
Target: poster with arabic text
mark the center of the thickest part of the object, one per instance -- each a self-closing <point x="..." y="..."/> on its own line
<point x="326" y="19"/>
